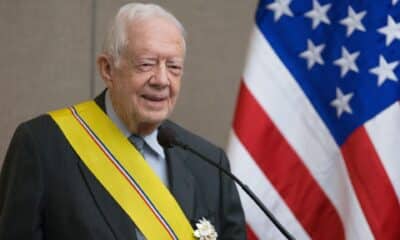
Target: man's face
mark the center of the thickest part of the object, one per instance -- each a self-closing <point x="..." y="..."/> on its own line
<point x="146" y="81"/>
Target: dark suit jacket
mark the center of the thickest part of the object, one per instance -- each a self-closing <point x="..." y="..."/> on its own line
<point x="46" y="191"/>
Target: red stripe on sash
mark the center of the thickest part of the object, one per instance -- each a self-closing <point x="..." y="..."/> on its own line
<point x="113" y="162"/>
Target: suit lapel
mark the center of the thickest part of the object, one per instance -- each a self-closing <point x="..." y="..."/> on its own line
<point x="181" y="180"/>
<point x="120" y="224"/>
<point x="181" y="185"/>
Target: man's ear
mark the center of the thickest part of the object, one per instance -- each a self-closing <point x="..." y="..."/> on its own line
<point x="105" y="66"/>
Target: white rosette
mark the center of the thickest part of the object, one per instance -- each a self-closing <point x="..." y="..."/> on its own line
<point x="205" y="230"/>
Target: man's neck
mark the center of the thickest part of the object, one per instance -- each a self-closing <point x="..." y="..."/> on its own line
<point x="150" y="138"/>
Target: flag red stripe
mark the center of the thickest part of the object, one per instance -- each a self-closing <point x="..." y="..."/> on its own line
<point x="372" y="186"/>
<point x="250" y="233"/>
<point x="285" y="170"/>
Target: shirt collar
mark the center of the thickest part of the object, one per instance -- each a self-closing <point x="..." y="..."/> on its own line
<point x="150" y="139"/>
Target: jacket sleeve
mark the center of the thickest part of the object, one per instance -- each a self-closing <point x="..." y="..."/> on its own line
<point x="21" y="189"/>
<point x="231" y="211"/>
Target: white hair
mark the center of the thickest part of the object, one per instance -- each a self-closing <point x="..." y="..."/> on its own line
<point x="116" y="39"/>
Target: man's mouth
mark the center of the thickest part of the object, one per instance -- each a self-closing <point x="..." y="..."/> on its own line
<point x="155" y="98"/>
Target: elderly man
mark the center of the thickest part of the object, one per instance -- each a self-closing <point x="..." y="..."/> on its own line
<point x="96" y="170"/>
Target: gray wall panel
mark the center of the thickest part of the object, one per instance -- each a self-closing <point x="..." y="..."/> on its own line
<point x="45" y="59"/>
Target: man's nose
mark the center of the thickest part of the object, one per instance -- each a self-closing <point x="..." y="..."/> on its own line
<point x="161" y="76"/>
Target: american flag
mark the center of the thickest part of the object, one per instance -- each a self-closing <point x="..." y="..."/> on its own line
<point x="316" y="132"/>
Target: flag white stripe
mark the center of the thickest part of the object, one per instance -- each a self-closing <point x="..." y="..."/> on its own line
<point x="384" y="132"/>
<point x="287" y="106"/>
<point x="242" y="164"/>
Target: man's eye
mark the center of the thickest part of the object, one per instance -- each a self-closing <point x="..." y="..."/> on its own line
<point x="145" y="66"/>
<point x="175" y="69"/>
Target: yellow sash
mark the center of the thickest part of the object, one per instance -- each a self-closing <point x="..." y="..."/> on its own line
<point x="123" y="172"/>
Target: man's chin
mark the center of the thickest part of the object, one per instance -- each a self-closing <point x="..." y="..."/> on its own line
<point x="154" y="118"/>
